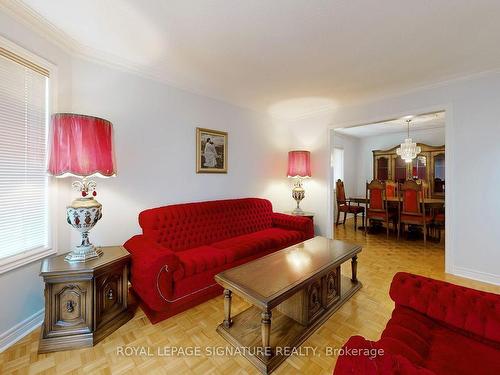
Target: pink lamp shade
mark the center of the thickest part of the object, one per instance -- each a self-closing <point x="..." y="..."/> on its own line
<point x="81" y="146"/>
<point x="299" y="164"/>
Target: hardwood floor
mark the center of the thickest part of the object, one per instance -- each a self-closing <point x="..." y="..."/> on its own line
<point x="365" y="314"/>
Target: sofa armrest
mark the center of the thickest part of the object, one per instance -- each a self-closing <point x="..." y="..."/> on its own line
<point x="151" y="270"/>
<point x="362" y="357"/>
<point x="302" y="224"/>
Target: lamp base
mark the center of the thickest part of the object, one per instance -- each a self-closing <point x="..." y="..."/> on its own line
<point x="83" y="253"/>
<point x="298" y="193"/>
<point x="83" y="214"/>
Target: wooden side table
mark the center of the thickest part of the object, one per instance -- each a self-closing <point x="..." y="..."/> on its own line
<point x="84" y="302"/>
<point x="310" y="215"/>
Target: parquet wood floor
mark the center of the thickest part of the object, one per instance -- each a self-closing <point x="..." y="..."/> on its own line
<point x="365" y="314"/>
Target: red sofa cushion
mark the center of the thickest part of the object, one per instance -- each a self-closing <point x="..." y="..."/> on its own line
<point x="408" y="333"/>
<point x="427" y="343"/>
<point x="243" y="246"/>
<point x="283" y="237"/>
<point x="456" y="354"/>
<point x="189" y="225"/>
<point x="199" y="259"/>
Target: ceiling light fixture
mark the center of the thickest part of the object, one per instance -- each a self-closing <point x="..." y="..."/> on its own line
<point x="409" y="149"/>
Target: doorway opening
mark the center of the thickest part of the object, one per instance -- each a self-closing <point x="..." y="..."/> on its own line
<point x="367" y="159"/>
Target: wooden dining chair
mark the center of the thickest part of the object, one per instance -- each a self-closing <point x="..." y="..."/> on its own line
<point x="412" y="207"/>
<point x="391" y="189"/>
<point x="439" y="222"/>
<point x="344" y="205"/>
<point x="376" y="204"/>
<point x="426" y="190"/>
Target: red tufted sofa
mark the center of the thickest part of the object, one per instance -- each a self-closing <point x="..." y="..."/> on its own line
<point x="435" y="328"/>
<point x="184" y="245"/>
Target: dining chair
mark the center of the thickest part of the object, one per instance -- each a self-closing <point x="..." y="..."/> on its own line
<point x="391" y="189"/>
<point x="376" y="204"/>
<point x="344" y="205"/>
<point x="425" y="188"/>
<point x="439" y="223"/>
<point x="412" y="207"/>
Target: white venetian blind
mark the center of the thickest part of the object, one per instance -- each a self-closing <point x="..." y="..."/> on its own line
<point x="24" y="211"/>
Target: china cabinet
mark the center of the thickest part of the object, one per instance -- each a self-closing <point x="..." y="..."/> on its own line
<point x="428" y="166"/>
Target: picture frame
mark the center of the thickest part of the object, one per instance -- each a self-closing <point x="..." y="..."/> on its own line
<point x="211" y="158"/>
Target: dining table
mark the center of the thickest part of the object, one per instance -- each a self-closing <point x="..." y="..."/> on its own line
<point x="433" y="203"/>
<point x="429" y="202"/>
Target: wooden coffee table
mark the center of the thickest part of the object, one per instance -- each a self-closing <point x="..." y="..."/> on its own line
<point x="293" y="292"/>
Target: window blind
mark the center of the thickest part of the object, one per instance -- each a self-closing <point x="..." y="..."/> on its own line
<point x="24" y="198"/>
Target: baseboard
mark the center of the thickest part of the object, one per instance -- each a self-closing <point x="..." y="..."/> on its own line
<point x="21" y="329"/>
<point x="476" y="275"/>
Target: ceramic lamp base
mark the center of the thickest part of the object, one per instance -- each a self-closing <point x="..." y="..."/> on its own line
<point x="298" y="193"/>
<point x="83" y="254"/>
<point x="83" y="214"/>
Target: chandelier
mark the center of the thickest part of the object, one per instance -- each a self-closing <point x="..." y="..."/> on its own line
<point x="409" y="149"/>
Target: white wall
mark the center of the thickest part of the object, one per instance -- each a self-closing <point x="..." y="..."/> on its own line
<point x="21" y="290"/>
<point x="311" y="133"/>
<point x="472" y="160"/>
<point x="352" y="156"/>
<point x="155" y="148"/>
<point x="432" y="137"/>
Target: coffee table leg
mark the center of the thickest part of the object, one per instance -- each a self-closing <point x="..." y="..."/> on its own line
<point x="266" y="331"/>
<point x="227" y="308"/>
<point x="354" y="267"/>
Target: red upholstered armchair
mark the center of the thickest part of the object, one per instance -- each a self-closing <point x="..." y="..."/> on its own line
<point x="436" y="328"/>
<point x="183" y="246"/>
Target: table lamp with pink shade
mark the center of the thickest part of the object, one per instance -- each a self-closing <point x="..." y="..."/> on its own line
<point x="299" y="167"/>
<point x="82" y="146"/>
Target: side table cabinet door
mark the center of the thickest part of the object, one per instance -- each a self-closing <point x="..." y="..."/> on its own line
<point x="111" y="294"/>
<point x="70" y="309"/>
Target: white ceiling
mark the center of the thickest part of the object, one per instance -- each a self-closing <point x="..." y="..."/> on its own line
<point x="420" y="122"/>
<point x="261" y="53"/>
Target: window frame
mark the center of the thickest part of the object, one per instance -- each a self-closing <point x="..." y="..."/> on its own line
<point x="15" y="261"/>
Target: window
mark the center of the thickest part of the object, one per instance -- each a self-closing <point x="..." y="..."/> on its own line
<point x="338" y="164"/>
<point x="24" y="183"/>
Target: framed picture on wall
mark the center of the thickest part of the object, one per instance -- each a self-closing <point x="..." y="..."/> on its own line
<point x="211" y="151"/>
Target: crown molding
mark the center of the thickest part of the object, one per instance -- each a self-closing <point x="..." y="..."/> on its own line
<point x="33" y="20"/>
<point x="25" y="15"/>
<point x="28" y="17"/>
